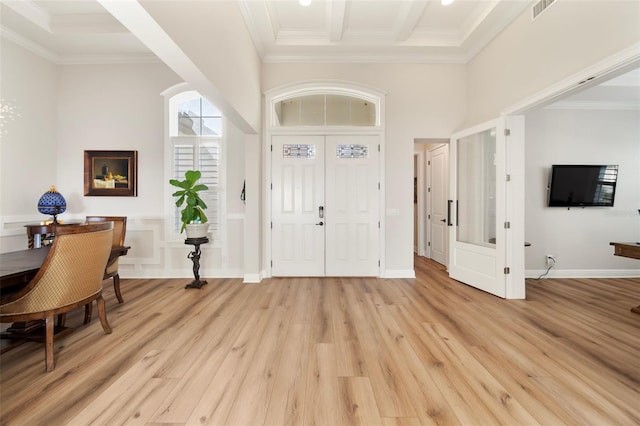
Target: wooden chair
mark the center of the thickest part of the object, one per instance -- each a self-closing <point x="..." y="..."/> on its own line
<point x="118" y="249"/>
<point x="70" y="277"/>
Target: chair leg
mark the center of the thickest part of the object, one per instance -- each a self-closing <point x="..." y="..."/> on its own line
<point x="102" y="314"/>
<point x="48" y="343"/>
<point x="62" y="319"/>
<point x="116" y="287"/>
<point x="88" y="312"/>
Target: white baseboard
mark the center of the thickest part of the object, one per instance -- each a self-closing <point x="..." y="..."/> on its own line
<point x="584" y="273"/>
<point x="399" y="273"/>
<point x="253" y="278"/>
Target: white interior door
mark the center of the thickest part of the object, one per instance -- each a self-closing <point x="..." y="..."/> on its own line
<point x="352" y="194"/>
<point x="297" y="200"/>
<point x="438" y="194"/>
<point x="325" y="206"/>
<point x="477" y="206"/>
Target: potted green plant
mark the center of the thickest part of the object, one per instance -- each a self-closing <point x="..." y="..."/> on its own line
<point x="192" y="215"/>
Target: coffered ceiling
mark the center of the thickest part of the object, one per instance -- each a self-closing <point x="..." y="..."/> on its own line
<point x="376" y="30"/>
<point x="81" y="31"/>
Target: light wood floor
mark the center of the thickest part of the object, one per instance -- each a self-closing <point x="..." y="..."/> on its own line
<point x="340" y="352"/>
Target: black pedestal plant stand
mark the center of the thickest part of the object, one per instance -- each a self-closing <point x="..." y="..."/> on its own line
<point x="195" y="258"/>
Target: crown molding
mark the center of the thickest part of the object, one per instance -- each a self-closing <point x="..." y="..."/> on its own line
<point x="594" y="105"/>
<point x="91" y="59"/>
<point x="28" y="45"/>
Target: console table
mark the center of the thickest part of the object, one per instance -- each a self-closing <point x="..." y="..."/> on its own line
<point x="631" y="250"/>
<point x="195" y="258"/>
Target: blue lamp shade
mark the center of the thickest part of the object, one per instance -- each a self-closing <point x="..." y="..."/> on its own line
<point x="53" y="203"/>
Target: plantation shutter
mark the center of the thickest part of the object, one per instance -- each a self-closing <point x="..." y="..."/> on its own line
<point x="200" y="154"/>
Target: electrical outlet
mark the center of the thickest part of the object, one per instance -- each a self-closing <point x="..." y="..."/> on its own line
<point x="551" y="260"/>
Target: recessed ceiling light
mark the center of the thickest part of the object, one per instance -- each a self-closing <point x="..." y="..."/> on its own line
<point x="446" y="2"/>
<point x="304" y="2"/>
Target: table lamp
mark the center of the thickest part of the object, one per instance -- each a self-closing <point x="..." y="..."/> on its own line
<point x="52" y="202"/>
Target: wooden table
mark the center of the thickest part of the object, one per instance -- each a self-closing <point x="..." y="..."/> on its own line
<point x="631" y="250"/>
<point x="39" y="234"/>
<point x="18" y="268"/>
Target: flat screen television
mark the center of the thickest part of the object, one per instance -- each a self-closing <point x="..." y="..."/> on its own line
<point x="582" y="185"/>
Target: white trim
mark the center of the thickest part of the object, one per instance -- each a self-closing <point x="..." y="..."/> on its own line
<point x="398" y="273"/>
<point x="593" y="105"/>
<point x="583" y="273"/>
<point x="420" y="223"/>
<point x="253" y="278"/>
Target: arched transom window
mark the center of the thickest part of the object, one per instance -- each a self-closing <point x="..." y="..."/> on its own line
<point x="322" y="106"/>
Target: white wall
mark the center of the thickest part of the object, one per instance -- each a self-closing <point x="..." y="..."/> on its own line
<point x="112" y="107"/>
<point x="28" y="151"/>
<point x="528" y="57"/>
<point x="579" y="238"/>
<point x="423" y="100"/>
<point x="105" y="107"/>
<point x="215" y="38"/>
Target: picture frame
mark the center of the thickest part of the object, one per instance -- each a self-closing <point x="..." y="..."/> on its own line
<point x="111" y="173"/>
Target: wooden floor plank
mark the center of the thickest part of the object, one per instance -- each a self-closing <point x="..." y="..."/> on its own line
<point x="339" y="351"/>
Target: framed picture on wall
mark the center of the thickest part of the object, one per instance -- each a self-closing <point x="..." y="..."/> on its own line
<point x="111" y="173"/>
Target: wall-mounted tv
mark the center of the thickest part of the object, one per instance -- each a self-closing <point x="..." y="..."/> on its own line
<point x="582" y="185"/>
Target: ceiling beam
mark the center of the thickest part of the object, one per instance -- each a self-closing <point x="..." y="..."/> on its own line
<point x="408" y="16"/>
<point x="32" y="12"/>
<point x="337" y="19"/>
<point x="134" y="17"/>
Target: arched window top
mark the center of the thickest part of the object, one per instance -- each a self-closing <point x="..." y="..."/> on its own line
<point x="193" y="115"/>
<point x="325" y="105"/>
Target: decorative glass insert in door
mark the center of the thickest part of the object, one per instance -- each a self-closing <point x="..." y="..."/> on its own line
<point x="298" y="151"/>
<point x="476" y="189"/>
<point x="352" y="151"/>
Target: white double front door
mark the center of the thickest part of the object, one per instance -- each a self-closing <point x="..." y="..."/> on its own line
<point x="325" y="205"/>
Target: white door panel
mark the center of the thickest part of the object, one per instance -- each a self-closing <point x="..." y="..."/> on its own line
<point x="325" y="198"/>
<point x="477" y="179"/>
<point x="297" y="194"/>
<point x="352" y="206"/>
<point x="438" y="226"/>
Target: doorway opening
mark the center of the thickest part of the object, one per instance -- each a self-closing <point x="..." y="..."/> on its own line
<point x="324" y="199"/>
<point x="431" y="181"/>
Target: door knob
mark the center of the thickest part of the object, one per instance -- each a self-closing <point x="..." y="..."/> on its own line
<point x="320" y="223"/>
<point x="443" y="220"/>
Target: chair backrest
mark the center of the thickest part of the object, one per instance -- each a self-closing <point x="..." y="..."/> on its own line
<point x="119" y="226"/>
<point x="71" y="272"/>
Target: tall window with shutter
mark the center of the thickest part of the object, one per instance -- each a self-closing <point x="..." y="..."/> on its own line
<point x="196" y="129"/>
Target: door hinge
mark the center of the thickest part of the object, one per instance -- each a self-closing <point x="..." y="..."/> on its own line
<point x="378" y="186"/>
<point x="428" y="216"/>
<point x="378" y="224"/>
<point x="507" y="132"/>
<point x="507" y="225"/>
<point x="507" y="271"/>
<point x="507" y="178"/>
<point x="271" y="148"/>
<point x="378" y="263"/>
<point x="271" y="186"/>
<point x="378" y="147"/>
<point x="429" y="163"/>
<point x="271" y="225"/>
<point x="272" y="263"/>
<point x="429" y="244"/>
